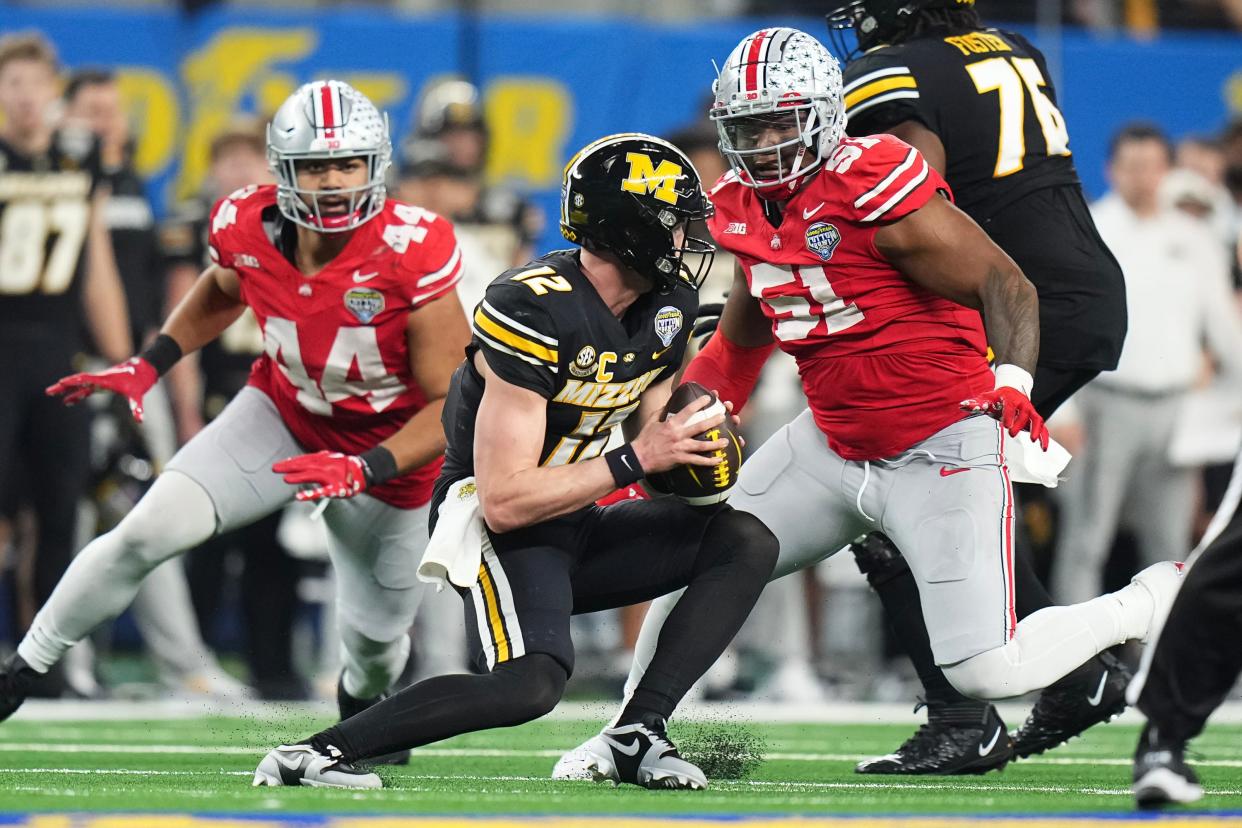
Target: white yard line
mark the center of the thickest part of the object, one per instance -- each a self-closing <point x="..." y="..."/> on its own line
<point x="511" y="753"/>
<point x="786" y="787"/>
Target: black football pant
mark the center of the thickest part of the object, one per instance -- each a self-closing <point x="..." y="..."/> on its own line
<point x="536" y="578"/>
<point x="892" y="580"/>
<point x="44" y="452"/>
<point x="1198" y="657"/>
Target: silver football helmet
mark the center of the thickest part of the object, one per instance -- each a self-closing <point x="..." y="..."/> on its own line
<point x="328" y="119"/>
<point x="776" y="79"/>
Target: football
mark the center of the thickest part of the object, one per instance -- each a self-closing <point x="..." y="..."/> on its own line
<point x="702" y="485"/>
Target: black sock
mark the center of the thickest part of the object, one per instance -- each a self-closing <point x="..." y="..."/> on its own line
<point x="889" y="575"/>
<point x="734" y="563"/>
<point x="515" y="692"/>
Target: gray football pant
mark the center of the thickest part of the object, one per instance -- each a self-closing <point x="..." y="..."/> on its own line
<point x="220" y="480"/>
<point x="947" y="504"/>
<point x="1122" y="477"/>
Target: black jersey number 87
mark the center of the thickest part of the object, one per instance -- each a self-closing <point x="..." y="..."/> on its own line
<point x="1014" y="79"/>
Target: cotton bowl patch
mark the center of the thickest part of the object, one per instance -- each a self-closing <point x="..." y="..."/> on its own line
<point x="822" y="239"/>
<point x="364" y="303"/>
<point x="668" y="321"/>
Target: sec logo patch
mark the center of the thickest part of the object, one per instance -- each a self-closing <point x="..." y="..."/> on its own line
<point x="822" y="239"/>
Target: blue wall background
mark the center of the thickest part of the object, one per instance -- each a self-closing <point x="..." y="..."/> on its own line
<point x="550" y="85"/>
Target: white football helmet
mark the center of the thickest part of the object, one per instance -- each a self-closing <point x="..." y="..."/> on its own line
<point x="778" y="78"/>
<point x="328" y="119"/>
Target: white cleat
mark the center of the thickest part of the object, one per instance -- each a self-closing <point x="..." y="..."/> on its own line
<point x="640" y="755"/>
<point x="303" y="765"/>
<point x="1161" y="581"/>
<point x="574" y="766"/>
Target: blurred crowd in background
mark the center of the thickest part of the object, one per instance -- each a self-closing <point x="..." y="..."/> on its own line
<point x="249" y="612"/>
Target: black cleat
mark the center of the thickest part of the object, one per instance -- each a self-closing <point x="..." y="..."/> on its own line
<point x="1161" y="775"/>
<point x="942" y="748"/>
<point x="1081" y="700"/>
<point x="349" y="706"/>
<point x="16" y="680"/>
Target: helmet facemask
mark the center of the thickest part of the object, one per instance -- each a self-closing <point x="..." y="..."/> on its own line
<point x="747" y="143"/>
<point x="641" y="216"/>
<point x="779" y="110"/>
<point x="328" y="120"/>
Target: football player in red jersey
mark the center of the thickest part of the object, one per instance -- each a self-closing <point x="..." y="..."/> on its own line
<point x="362" y="330"/>
<point x="853" y="260"/>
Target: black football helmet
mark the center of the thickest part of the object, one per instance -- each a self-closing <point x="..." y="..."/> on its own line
<point x="876" y="22"/>
<point x="626" y="194"/>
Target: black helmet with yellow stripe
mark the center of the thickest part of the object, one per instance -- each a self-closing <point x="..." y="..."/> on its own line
<point x="634" y="196"/>
<point x="879" y="22"/>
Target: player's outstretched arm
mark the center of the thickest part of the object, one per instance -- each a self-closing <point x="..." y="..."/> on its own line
<point x="212" y="305"/>
<point x="731" y="361"/>
<point x="515" y="491"/>
<point x="942" y="249"/>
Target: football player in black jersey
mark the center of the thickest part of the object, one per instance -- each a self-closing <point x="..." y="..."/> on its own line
<point x="51" y="210"/>
<point x="978" y="103"/>
<point x="566" y="349"/>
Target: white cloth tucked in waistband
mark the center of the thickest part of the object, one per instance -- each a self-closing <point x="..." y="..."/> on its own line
<point x="455" y="551"/>
<point x="1028" y="463"/>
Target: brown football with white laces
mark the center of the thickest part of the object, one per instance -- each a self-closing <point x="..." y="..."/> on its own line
<point x="702" y="485"/>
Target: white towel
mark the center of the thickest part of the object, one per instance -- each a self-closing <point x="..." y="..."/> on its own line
<point x="454" y="553"/>
<point x="1028" y="463"/>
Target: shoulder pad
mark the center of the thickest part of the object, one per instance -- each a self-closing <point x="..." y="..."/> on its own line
<point x="882" y="177"/>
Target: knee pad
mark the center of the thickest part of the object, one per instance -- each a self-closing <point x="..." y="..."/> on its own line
<point x="371" y="666"/>
<point x="878" y="559"/>
<point x="989" y="676"/>
<point x="535" y="682"/>
<point x="174" y="515"/>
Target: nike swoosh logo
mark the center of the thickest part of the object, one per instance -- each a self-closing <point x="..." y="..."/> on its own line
<point x="359" y="277"/>
<point x="658" y="354"/>
<point x="945" y="471"/>
<point x="628" y="750"/>
<point x="807" y="214"/>
<point x="984" y="750"/>
<point x="290" y="773"/>
<point x="626" y="461"/>
<point x="1094" y="700"/>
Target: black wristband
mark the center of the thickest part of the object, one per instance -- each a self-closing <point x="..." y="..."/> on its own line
<point x="624" y="465"/>
<point x="378" y="465"/>
<point x="162" y="353"/>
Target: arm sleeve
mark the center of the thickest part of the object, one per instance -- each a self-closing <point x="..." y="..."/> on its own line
<point x="433" y="267"/>
<point x="890" y="180"/>
<point x="518" y="338"/>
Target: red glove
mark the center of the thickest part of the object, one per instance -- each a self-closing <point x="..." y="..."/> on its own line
<point x="132" y="379"/>
<point x="332" y="474"/>
<point x="1015" y="411"/>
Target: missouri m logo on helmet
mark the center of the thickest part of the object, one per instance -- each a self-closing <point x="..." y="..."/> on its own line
<point x="633" y="196"/>
<point x="645" y="177"/>
<point x="328" y="119"/>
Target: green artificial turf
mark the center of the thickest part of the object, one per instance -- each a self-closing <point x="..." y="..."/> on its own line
<point x="204" y="766"/>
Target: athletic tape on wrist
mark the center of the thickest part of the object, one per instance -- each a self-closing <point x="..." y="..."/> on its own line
<point x="1011" y="376"/>
<point x="624" y="465"/>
